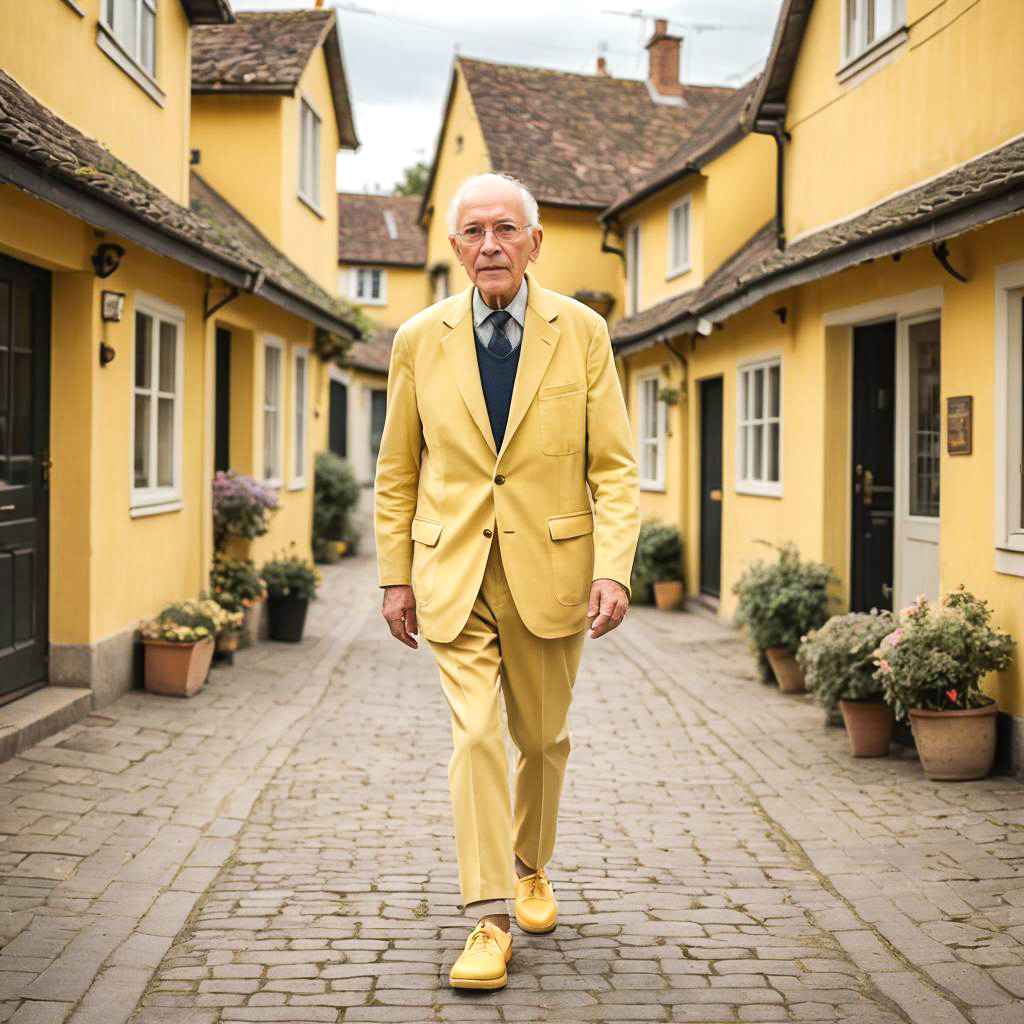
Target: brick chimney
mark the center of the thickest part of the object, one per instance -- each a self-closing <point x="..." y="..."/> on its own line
<point x="663" y="60"/>
<point x="602" y="67"/>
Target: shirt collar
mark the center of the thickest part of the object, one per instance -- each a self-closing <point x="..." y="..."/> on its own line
<point x="516" y="308"/>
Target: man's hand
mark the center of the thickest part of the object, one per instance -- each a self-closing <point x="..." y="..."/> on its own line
<point x="608" y="604"/>
<point x="399" y="610"/>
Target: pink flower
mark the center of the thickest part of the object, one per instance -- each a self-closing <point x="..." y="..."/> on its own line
<point x="884" y="665"/>
<point x="895" y="637"/>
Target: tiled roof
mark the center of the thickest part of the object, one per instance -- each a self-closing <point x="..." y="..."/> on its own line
<point x="232" y="225"/>
<point x="374" y="354"/>
<point x="380" y="229"/>
<point x="578" y="140"/>
<point x="49" y="158"/>
<point x="267" y="52"/>
<point x="985" y="189"/>
<point x="727" y="122"/>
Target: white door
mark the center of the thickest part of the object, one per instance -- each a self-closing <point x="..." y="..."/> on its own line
<point x="918" y="441"/>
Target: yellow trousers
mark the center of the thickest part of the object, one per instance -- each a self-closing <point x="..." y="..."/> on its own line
<point x="496" y="654"/>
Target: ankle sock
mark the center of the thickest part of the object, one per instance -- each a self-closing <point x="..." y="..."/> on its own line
<point x="484" y="908"/>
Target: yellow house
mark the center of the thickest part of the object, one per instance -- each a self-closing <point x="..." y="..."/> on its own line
<point x="120" y="274"/>
<point x="575" y="141"/>
<point x="381" y="261"/>
<point x="866" y="346"/>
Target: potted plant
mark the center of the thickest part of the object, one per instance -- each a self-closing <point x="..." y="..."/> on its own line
<point x="241" y="507"/>
<point x="291" y="585"/>
<point x="657" y="567"/>
<point x="779" y="603"/>
<point x="179" y="645"/>
<point x="237" y="586"/>
<point x="839" y="665"/>
<point x="931" y="666"/>
<point x="335" y="494"/>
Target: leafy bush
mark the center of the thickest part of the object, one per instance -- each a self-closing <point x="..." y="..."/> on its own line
<point x="335" y="494"/>
<point x="234" y="582"/>
<point x="782" y="601"/>
<point x="937" y="655"/>
<point x="289" y="575"/>
<point x="659" y="558"/>
<point x="189" y="621"/>
<point x="241" y="506"/>
<point x="839" y="658"/>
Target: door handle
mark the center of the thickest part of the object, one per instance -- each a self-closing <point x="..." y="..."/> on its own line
<point x="715" y="494"/>
<point x="869" y="482"/>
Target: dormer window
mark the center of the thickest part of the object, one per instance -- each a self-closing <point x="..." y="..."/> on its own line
<point x="868" y="22"/>
<point x="133" y="24"/>
<point x="309" y="154"/>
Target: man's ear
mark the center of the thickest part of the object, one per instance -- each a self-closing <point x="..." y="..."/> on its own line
<point x="454" y="242"/>
<point x="537" y="236"/>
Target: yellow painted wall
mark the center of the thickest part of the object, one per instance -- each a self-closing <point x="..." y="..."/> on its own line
<point x="953" y="91"/>
<point x="53" y="54"/>
<point x="408" y="291"/>
<point x="239" y="140"/>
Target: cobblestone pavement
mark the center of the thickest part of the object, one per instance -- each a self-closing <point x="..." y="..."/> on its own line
<point x="279" y="848"/>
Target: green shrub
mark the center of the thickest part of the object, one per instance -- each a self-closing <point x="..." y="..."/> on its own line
<point x="659" y="558"/>
<point x="781" y="601"/>
<point x="335" y="494"/>
<point x="838" y="659"/>
<point x="289" y="575"/>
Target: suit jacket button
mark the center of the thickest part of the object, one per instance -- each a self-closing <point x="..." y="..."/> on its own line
<point x="499" y="479"/>
<point x="487" y="533"/>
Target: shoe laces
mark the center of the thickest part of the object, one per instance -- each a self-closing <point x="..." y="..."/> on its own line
<point x="480" y="935"/>
<point x="537" y="884"/>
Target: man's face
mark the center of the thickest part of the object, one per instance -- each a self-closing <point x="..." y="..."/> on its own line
<point x="494" y="265"/>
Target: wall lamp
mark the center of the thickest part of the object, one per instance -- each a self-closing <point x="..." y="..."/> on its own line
<point x="107" y="258"/>
<point x="704" y="327"/>
<point x="112" y="306"/>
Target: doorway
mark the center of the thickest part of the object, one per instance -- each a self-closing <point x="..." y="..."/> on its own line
<point x="711" y="486"/>
<point x="24" y="476"/>
<point x="222" y="403"/>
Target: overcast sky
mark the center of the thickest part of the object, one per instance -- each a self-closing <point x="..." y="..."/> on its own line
<point x="398" y="55"/>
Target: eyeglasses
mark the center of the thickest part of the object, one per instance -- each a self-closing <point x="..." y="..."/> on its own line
<point x="473" y="234"/>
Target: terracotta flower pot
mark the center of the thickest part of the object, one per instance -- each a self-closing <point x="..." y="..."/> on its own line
<point x="869" y="726"/>
<point x="287" y="617"/>
<point x="955" y="745"/>
<point x="668" y="594"/>
<point x="177" y="670"/>
<point x="788" y="673"/>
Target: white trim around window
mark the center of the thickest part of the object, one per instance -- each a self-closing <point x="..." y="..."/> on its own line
<point x="633" y="267"/>
<point x="127" y="33"/>
<point x="369" y="286"/>
<point x="310" y="141"/>
<point x="759" y="427"/>
<point x="158" y="357"/>
<point x="680" y="231"/>
<point x="272" y="409"/>
<point x="1009" y="410"/>
<point x="869" y="30"/>
<point x="300" y="417"/>
<point x="651" y="430"/>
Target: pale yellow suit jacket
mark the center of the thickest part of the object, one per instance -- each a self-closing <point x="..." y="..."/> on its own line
<point x="442" y="488"/>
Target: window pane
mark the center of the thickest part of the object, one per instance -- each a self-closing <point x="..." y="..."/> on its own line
<point x="742" y="454"/>
<point x="852" y="43"/>
<point x="127" y="28"/>
<point x="270" y="471"/>
<point x="165" y="443"/>
<point x="143" y="347"/>
<point x="316" y="160"/>
<point x="272" y="376"/>
<point x="773" y="453"/>
<point x="147" y="41"/>
<point x="758" y="394"/>
<point x="744" y="405"/>
<point x="757" y="451"/>
<point x="142" y="440"/>
<point x="300" y="417"/>
<point x="168" y="346"/>
<point x="925" y="419"/>
<point x="773" y="391"/>
<point x="375" y="287"/>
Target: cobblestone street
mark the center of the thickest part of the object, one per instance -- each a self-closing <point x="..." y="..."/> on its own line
<point x="278" y="848"/>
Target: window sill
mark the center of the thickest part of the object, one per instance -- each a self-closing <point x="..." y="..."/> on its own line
<point x="1010" y="556"/>
<point x="652" y="485"/>
<point x="678" y="272"/>
<point x="155" y="508"/>
<point x="369" y="302"/>
<point x="760" y="490"/>
<point x="312" y="205"/>
<point x="274" y="483"/>
<point x="863" y="61"/>
<point x="297" y="485"/>
<point x="117" y="53"/>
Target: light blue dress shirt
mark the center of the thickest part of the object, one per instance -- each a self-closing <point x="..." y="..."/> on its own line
<point x="513" y="328"/>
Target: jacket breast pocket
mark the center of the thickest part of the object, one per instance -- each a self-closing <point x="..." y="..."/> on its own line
<point x="562" y="411"/>
<point x="425" y="534"/>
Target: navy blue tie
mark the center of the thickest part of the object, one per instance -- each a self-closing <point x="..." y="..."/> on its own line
<point x="499" y="344"/>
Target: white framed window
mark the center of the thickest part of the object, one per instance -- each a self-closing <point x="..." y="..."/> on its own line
<point x="133" y="24"/>
<point x="633" y="267"/>
<point x="759" y="428"/>
<point x="309" y="154"/>
<point x="370" y="285"/>
<point x="158" y="375"/>
<point x="679" y="237"/>
<point x="1009" y="410"/>
<point x="300" y="412"/>
<point x="866" y="23"/>
<point x="273" y="394"/>
<point x="651" y="415"/>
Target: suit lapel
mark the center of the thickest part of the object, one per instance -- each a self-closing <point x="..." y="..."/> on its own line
<point x="540" y="336"/>
<point x="460" y="349"/>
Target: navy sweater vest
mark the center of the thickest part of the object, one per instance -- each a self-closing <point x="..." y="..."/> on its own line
<point x="498" y="376"/>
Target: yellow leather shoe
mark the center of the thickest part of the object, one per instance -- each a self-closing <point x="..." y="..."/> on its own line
<point x="482" y="963"/>
<point x="536" y="907"/>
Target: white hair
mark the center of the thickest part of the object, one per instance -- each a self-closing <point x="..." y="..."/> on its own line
<point x="493" y="178"/>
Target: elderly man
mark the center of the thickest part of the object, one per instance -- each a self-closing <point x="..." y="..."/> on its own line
<point x="504" y="408"/>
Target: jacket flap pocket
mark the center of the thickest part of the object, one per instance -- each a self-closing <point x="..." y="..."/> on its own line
<point x="425" y="531"/>
<point x="560" y="389"/>
<point x="573" y="525"/>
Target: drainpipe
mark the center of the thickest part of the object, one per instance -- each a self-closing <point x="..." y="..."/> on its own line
<point x="773" y="123"/>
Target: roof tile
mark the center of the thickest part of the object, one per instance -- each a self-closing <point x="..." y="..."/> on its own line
<point x="364" y="234"/>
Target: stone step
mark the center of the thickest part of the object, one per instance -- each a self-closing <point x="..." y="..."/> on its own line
<point x="41" y="713"/>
